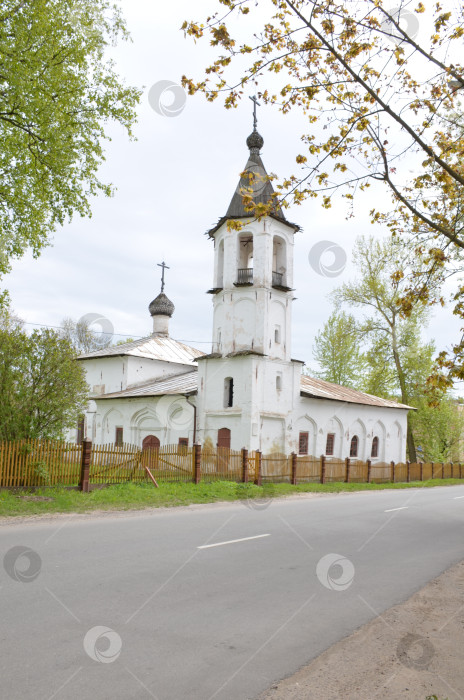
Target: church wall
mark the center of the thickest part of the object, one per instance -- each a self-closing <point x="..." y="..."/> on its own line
<point x="106" y="374"/>
<point x="318" y="417"/>
<point x="169" y="418"/>
<point x="142" y="369"/>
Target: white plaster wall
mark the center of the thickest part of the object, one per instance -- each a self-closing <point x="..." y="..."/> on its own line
<point x="167" y="417"/>
<point x="106" y="374"/>
<point x="319" y="417"/>
<point x="261" y="415"/>
<point x="246" y="317"/>
<point x="141" y="369"/>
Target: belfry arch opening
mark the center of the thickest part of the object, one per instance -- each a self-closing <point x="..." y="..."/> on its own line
<point x="220" y="266"/>
<point x="245" y="259"/>
<point x="279" y="262"/>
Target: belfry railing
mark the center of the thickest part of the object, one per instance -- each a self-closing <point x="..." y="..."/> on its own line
<point x="245" y="275"/>
<point x="277" y="279"/>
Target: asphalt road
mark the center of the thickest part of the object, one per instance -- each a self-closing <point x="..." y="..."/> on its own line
<point x="138" y="606"/>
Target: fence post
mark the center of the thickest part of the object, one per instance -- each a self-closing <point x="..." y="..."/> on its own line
<point x="244" y="465"/>
<point x="294" y="466"/>
<point x="197" y="463"/>
<point x="452" y="469"/>
<point x="392" y="464"/>
<point x="460" y="472"/>
<point x="408" y="470"/>
<point x="369" y="464"/>
<point x="322" y="469"/>
<point x="347" y="470"/>
<point x="442" y="470"/>
<point x="432" y="464"/>
<point x="421" y="465"/>
<point x="259" y="468"/>
<point x="85" y="465"/>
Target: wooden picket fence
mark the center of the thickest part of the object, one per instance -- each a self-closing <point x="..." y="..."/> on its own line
<point x="32" y="463"/>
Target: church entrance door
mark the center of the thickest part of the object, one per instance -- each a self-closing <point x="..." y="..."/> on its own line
<point x="150" y="447"/>
<point x="223" y="437"/>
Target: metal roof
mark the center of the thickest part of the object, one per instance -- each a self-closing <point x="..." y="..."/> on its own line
<point x="185" y="383"/>
<point x="154" y="348"/>
<point x="261" y="189"/>
<point x="320" y="389"/>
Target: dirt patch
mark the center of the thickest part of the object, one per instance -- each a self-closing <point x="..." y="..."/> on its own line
<point x="36" y="498"/>
<point x="412" y="651"/>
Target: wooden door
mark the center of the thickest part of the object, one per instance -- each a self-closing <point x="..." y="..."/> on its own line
<point x="150" y="447"/>
<point x="223" y="439"/>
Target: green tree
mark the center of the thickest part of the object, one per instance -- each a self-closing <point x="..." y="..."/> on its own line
<point x="378" y="104"/>
<point x="58" y="93"/>
<point x="336" y="349"/>
<point x="82" y="338"/>
<point x="438" y="429"/>
<point x="394" y="340"/>
<point x="43" y="388"/>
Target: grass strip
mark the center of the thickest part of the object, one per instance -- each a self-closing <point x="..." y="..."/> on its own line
<point x="131" y="496"/>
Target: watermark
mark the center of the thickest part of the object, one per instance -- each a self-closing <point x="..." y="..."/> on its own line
<point x="22" y="564"/>
<point x="327" y="258"/>
<point x="101" y="328"/>
<point x="260" y="502"/>
<point x="407" y="20"/>
<point x="102" y="644"/>
<point x="167" y="98"/>
<point x="415" y="651"/>
<point x="253" y="181"/>
<point x="335" y="572"/>
<point x="174" y="413"/>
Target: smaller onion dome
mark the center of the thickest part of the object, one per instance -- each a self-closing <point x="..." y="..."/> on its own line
<point x="161" y="306"/>
<point x="255" y="142"/>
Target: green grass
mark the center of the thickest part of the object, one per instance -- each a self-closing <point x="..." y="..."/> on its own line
<point x="130" y="496"/>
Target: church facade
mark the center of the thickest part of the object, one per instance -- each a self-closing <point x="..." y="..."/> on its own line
<point x="249" y="391"/>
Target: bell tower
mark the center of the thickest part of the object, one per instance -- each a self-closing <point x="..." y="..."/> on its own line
<point x="247" y="383"/>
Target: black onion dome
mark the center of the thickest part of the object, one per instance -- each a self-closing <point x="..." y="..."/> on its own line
<point x="161" y="306"/>
<point x="255" y="142"/>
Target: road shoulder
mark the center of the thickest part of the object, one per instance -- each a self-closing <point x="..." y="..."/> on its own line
<point x="413" y="650"/>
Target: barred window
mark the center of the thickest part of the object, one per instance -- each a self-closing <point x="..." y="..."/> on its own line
<point x="329" y="446"/>
<point x="303" y="444"/>
<point x="375" y="447"/>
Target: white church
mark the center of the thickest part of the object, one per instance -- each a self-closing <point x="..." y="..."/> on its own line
<point x="249" y="391"/>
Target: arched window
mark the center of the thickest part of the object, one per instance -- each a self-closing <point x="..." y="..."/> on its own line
<point x="228" y="392"/>
<point x="354" y="446"/>
<point x="375" y="447"/>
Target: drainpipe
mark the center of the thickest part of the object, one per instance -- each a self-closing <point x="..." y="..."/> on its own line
<point x="194" y="418"/>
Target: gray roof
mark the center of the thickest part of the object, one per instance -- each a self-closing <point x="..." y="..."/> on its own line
<point x="261" y="187"/>
<point x="185" y="383"/>
<point x="320" y="389"/>
<point x="256" y="183"/>
<point x="153" y="348"/>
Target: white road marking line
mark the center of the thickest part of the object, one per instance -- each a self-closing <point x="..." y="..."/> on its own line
<point x="242" y="539"/>
<point x="456" y="497"/>
<point x="390" y="510"/>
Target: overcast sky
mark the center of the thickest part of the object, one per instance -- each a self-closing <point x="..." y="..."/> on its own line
<point x="173" y="183"/>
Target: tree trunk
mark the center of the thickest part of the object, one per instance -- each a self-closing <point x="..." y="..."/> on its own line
<point x="411" y="447"/>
